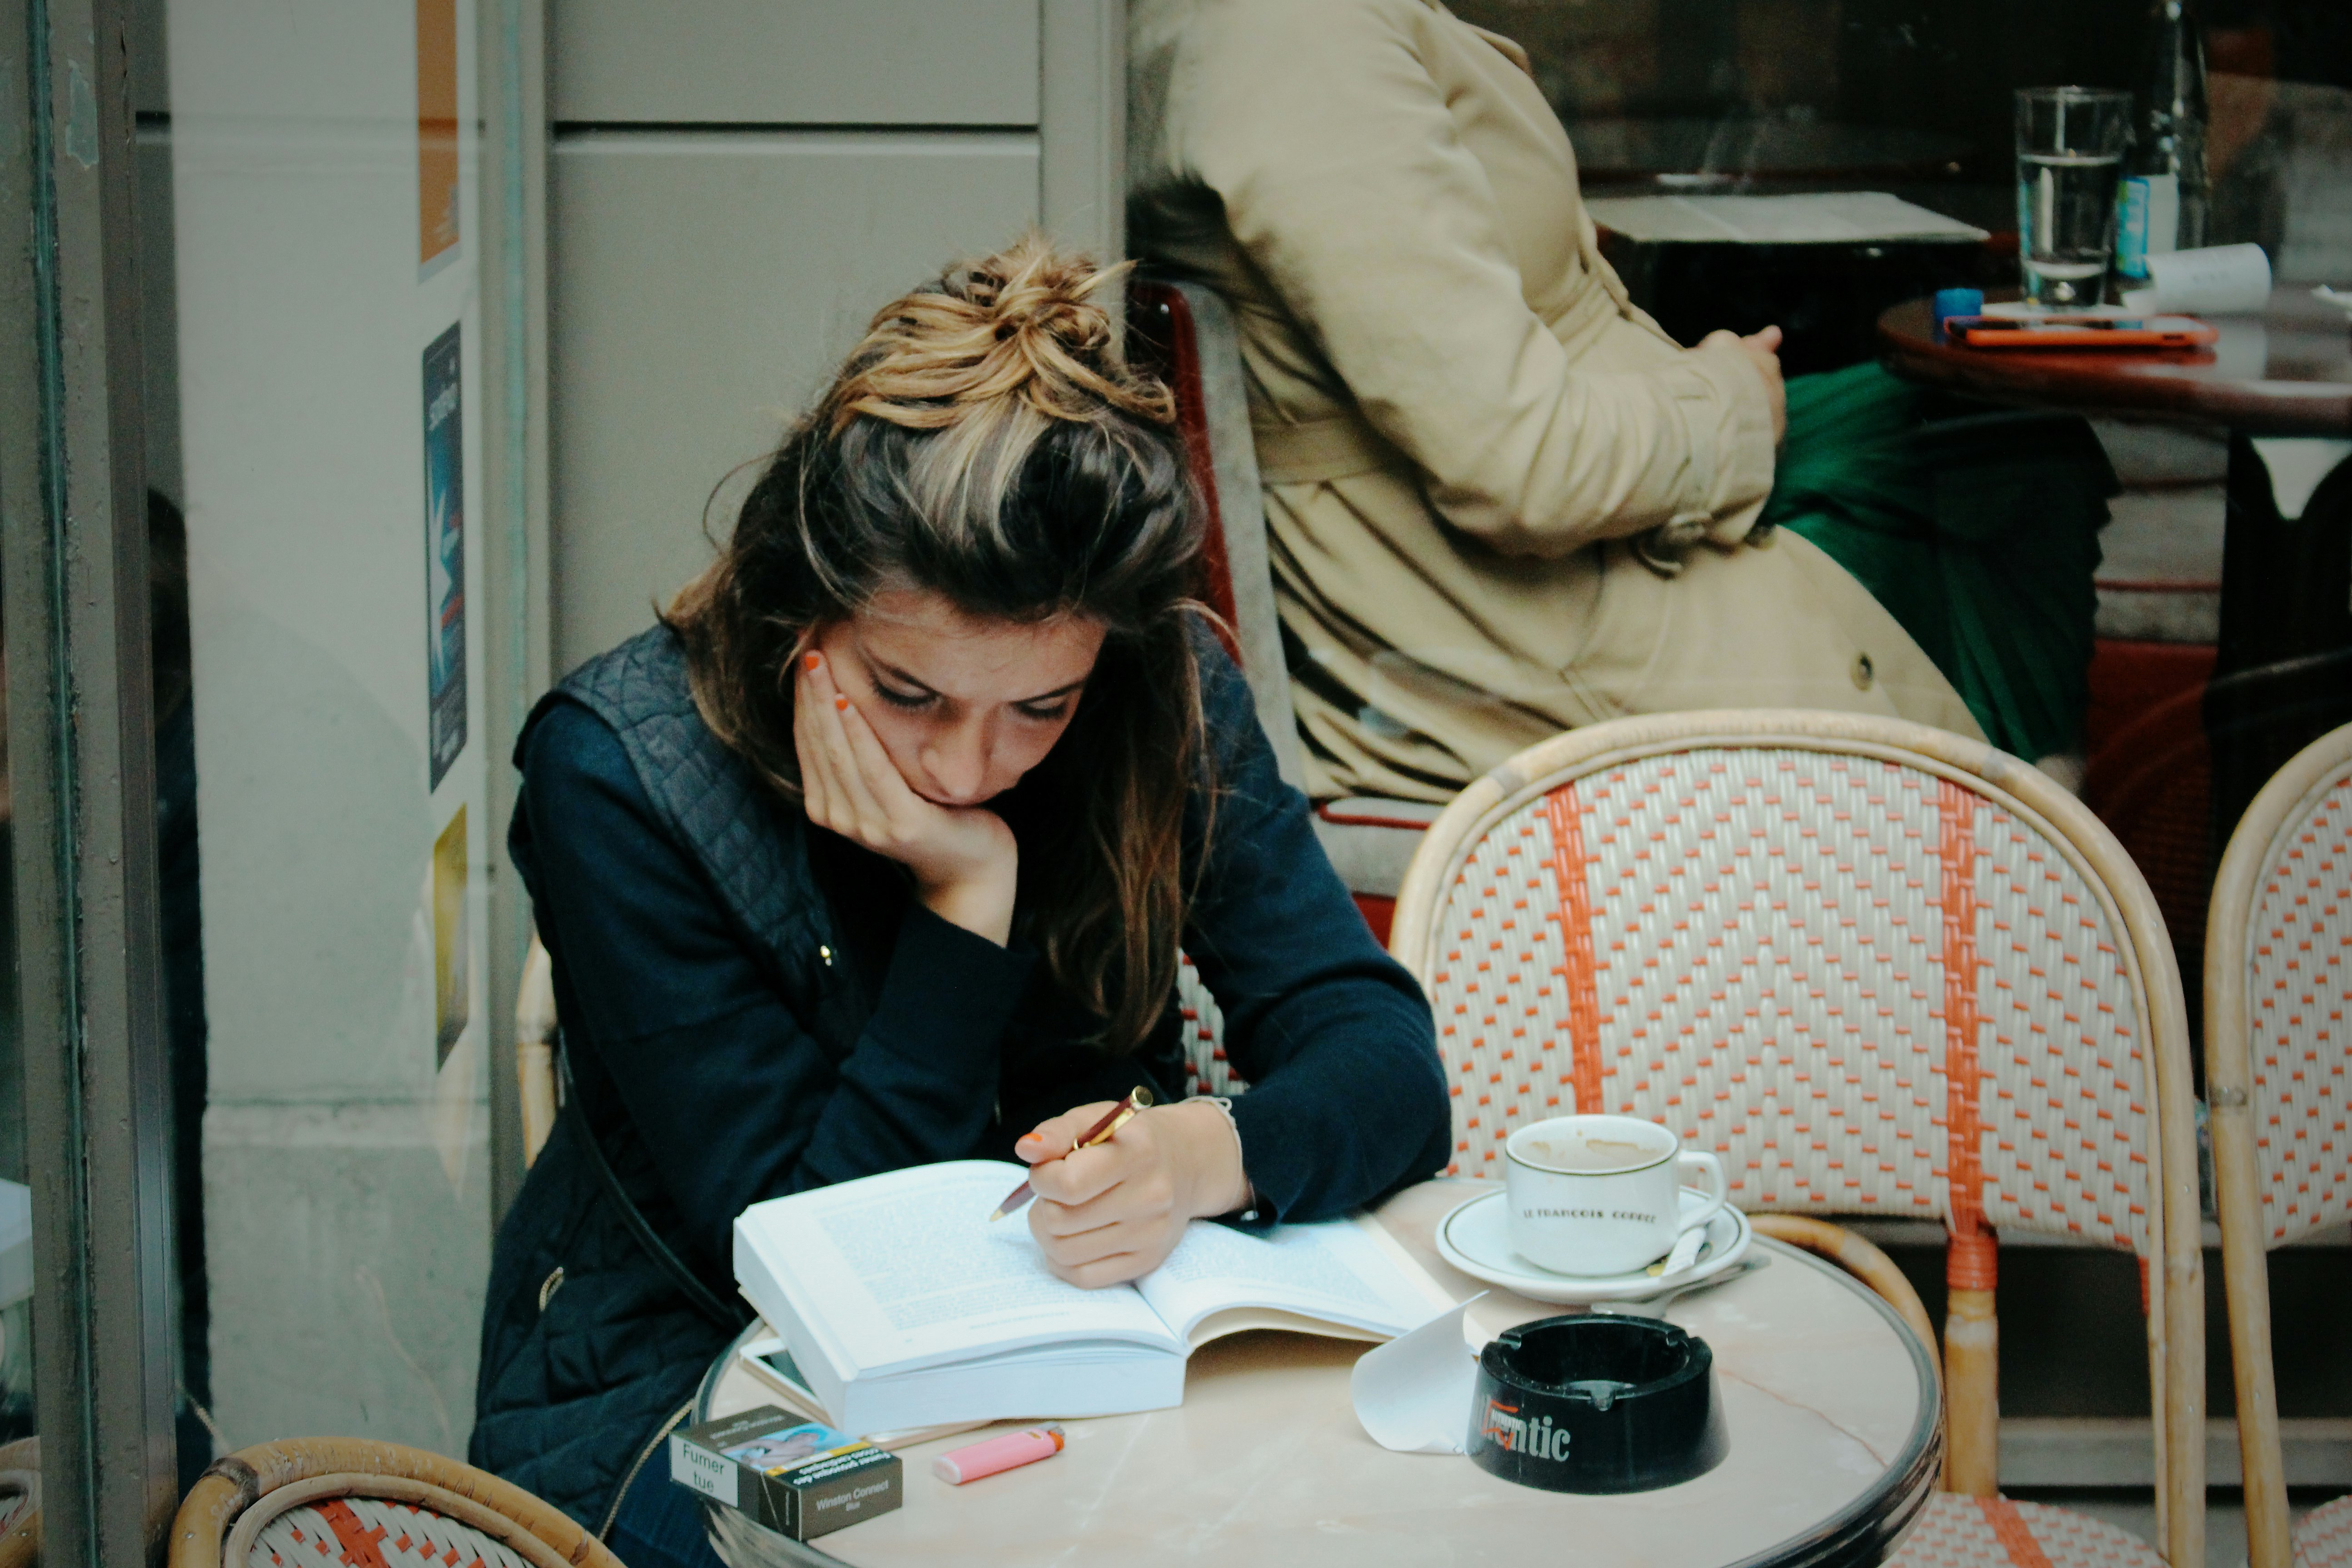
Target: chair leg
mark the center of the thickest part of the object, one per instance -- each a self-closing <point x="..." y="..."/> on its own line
<point x="1971" y="1395"/>
<point x="2245" y="1277"/>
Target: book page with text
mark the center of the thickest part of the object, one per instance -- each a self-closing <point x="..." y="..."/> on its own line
<point x="1340" y="1271"/>
<point x="904" y="1271"/>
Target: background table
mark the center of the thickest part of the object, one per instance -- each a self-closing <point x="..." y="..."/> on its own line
<point x="2287" y="371"/>
<point x="1703" y="153"/>
<point x="1831" y="1406"/>
<point x="1824" y="293"/>
<point x="2282" y="385"/>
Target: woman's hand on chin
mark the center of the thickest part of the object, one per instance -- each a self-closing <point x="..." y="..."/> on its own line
<point x="965" y="860"/>
<point x="1116" y="1211"/>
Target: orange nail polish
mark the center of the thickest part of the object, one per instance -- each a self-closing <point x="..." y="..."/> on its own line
<point x="841" y="704"/>
<point x="808" y="661"/>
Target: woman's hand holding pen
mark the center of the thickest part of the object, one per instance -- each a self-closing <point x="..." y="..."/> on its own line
<point x="966" y="862"/>
<point x="1115" y="1211"/>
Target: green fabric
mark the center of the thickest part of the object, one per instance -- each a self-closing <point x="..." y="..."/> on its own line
<point x="1978" y="529"/>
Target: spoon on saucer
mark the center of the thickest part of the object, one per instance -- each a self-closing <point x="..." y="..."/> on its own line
<point x="1656" y="1306"/>
<point x="1685" y="1254"/>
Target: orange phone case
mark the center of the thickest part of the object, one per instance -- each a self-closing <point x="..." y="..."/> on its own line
<point x="2059" y="332"/>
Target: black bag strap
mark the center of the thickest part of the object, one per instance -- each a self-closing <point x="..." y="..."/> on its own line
<point x="697" y="1294"/>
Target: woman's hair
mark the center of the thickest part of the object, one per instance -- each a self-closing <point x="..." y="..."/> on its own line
<point x="987" y="443"/>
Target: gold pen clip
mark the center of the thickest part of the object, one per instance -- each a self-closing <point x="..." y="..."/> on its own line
<point x="1137" y="1101"/>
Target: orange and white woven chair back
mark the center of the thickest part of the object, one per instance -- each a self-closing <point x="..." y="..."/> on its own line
<point x="2297" y="947"/>
<point x="328" y="1502"/>
<point x="2278" y="1069"/>
<point x="1874" y="968"/>
<point x="1791" y="955"/>
<point x="1203" y="1024"/>
<point x="364" y="1530"/>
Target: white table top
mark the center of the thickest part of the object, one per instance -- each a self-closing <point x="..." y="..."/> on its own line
<point x="1831" y="1406"/>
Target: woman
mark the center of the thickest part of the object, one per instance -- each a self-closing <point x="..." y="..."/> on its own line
<point x="1502" y="501"/>
<point x="879" y="851"/>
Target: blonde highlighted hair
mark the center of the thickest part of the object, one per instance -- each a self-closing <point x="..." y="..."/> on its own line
<point x="986" y="442"/>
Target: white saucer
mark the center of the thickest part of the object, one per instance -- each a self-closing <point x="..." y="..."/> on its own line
<point x="1474" y="1238"/>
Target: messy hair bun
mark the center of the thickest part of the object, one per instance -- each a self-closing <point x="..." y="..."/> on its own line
<point x="985" y="441"/>
<point x="1022" y="325"/>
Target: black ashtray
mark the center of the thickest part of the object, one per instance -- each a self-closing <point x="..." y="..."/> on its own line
<point x="1596" y="1404"/>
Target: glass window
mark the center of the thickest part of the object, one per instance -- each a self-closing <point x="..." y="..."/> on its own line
<point x="310" y="225"/>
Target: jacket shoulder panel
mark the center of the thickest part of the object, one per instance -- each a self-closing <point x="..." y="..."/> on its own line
<point x="747" y="843"/>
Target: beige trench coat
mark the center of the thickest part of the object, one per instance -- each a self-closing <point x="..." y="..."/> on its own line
<point x="1502" y="501"/>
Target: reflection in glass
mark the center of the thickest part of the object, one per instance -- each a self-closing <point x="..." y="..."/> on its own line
<point x="311" y="246"/>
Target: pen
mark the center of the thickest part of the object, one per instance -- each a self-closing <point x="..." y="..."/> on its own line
<point x="1120" y="1115"/>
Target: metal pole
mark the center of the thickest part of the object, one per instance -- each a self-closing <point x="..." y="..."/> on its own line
<point x="1082" y="125"/>
<point x="73" y="493"/>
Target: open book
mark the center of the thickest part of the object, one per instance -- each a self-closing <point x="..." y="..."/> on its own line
<point x="903" y="1306"/>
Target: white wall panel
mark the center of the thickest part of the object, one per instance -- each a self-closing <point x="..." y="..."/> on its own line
<point x="795" y="62"/>
<point x="703" y="287"/>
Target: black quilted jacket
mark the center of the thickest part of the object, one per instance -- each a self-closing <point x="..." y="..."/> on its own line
<point x="582" y="1370"/>
<point x="755" y="1064"/>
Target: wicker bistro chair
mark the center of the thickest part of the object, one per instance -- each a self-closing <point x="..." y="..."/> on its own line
<point x="325" y="1502"/>
<point x="1739" y="924"/>
<point x="2278" y="1077"/>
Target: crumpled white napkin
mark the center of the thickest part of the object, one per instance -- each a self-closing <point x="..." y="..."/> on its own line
<point x="1413" y="1394"/>
<point x="2217" y="280"/>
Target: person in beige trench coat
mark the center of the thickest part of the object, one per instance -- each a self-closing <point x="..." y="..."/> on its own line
<point x="1502" y="501"/>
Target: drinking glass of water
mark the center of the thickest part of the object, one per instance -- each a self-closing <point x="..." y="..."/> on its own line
<point x="2070" y="151"/>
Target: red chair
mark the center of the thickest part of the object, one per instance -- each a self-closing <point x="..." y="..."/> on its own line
<point x="1185" y="334"/>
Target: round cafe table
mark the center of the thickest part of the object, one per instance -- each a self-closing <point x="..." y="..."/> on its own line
<point x="1832" y="1406"/>
<point x="2286" y="372"/>
<point x="2280" y="381"/>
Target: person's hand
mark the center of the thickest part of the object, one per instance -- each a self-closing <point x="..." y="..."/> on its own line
<point x="965" y="861"/>
<point x="1763" y="350"/>
<point x="1113" y="1211"/>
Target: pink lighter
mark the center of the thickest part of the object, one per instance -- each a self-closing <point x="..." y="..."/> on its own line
<point x="997" y="1453"/>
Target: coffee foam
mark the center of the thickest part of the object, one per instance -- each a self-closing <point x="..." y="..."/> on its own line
<point x="1588" y="1157"/>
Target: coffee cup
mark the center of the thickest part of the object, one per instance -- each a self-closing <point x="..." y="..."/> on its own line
<point x="1602" y="1194"/>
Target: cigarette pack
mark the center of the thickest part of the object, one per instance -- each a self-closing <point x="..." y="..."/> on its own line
<point x="797" y="1477"/>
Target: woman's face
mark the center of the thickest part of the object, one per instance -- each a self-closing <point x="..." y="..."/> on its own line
<point x="964" y="706"/>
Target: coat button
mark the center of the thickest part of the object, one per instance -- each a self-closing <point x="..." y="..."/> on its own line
<point x="826" y="953"/>
<point x="1864" y="673"/>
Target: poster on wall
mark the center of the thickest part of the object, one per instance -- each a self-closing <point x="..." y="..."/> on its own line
<point x="452" y="949"/>
<point x="444" y="555"/>
<point x="437" y="134"/>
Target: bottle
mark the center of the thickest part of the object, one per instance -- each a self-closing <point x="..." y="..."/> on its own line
<point x="2162" y="200"/>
